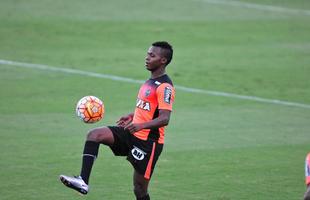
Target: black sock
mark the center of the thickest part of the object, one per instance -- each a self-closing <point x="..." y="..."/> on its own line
<point x="90" y="154"/>
<point x="147" y="197"/>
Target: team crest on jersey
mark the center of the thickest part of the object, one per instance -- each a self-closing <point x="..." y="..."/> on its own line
<point x="143" y="105"/>
<point x="147" y="92"/>
<point x="167" y="94"/>
<point x="137" y="153"/>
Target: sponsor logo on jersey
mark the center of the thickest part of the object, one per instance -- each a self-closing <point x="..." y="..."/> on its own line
<point x="137" y="153"/>
<point x="167" y="94"/>
<point x="143" y="105"/>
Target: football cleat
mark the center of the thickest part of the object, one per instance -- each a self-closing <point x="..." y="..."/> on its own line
<point x="76" y="183"/>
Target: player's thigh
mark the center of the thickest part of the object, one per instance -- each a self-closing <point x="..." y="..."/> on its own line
<point x="101" y="134"/>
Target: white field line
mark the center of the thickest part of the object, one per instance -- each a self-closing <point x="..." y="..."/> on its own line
<point x="129" y="80"/>
<point x="258" y="7"/>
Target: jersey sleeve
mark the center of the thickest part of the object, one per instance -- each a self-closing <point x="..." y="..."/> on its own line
<point x="165" y="96"/>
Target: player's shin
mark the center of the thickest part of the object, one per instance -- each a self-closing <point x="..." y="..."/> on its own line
<point x="147" y="197"/>
<point x="90" y="154"/>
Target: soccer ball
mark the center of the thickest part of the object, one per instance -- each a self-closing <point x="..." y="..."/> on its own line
<point x="90" y="109"/>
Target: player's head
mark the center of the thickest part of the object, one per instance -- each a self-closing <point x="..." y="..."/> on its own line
<point x="159" y="55"/>
<point x="166" y="50"/>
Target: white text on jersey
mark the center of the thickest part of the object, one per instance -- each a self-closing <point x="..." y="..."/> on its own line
<point x="143" y="105"/>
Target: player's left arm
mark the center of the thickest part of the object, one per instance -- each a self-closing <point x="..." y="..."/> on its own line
<point x="162" y="120"/>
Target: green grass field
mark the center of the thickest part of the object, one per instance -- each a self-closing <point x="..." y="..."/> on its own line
<point x="217" y="148"/>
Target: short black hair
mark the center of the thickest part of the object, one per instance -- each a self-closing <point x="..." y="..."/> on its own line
<point x="167" y="50"/>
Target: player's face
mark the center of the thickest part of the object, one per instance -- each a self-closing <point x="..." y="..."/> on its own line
<point x="154" y="59"/>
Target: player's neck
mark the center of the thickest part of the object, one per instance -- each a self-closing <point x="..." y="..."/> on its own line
<point x="158" y="72"/>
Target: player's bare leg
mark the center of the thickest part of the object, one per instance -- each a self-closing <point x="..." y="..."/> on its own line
<point x="140" y="186"/>
<point x="101" y="135"/>
<point x="307" y="194"/>
<point x="95" y="137"/>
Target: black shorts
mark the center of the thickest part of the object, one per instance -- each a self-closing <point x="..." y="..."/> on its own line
<point x="143" y="155"/>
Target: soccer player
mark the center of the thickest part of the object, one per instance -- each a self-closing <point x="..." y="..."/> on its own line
<point x="140" y="135"/>
<point x="307" y="174"/>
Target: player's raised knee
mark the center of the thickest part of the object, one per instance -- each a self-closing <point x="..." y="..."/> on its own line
<point x="102" y="135"/>
<point x="95" y="135"/>
<point x="92" y="135"/>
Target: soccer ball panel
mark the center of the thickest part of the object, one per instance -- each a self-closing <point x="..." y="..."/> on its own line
<point x="90" y="109"/>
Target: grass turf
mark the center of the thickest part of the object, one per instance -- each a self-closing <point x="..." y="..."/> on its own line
<point x="216" y="148"/>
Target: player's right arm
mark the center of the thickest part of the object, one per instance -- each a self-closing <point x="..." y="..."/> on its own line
<point x="125" y="120"/>
<point x="160" y="121"/>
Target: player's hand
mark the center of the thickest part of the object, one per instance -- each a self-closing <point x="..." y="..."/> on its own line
<point x="124" y="121"/>
<point x="134" y="127"/>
